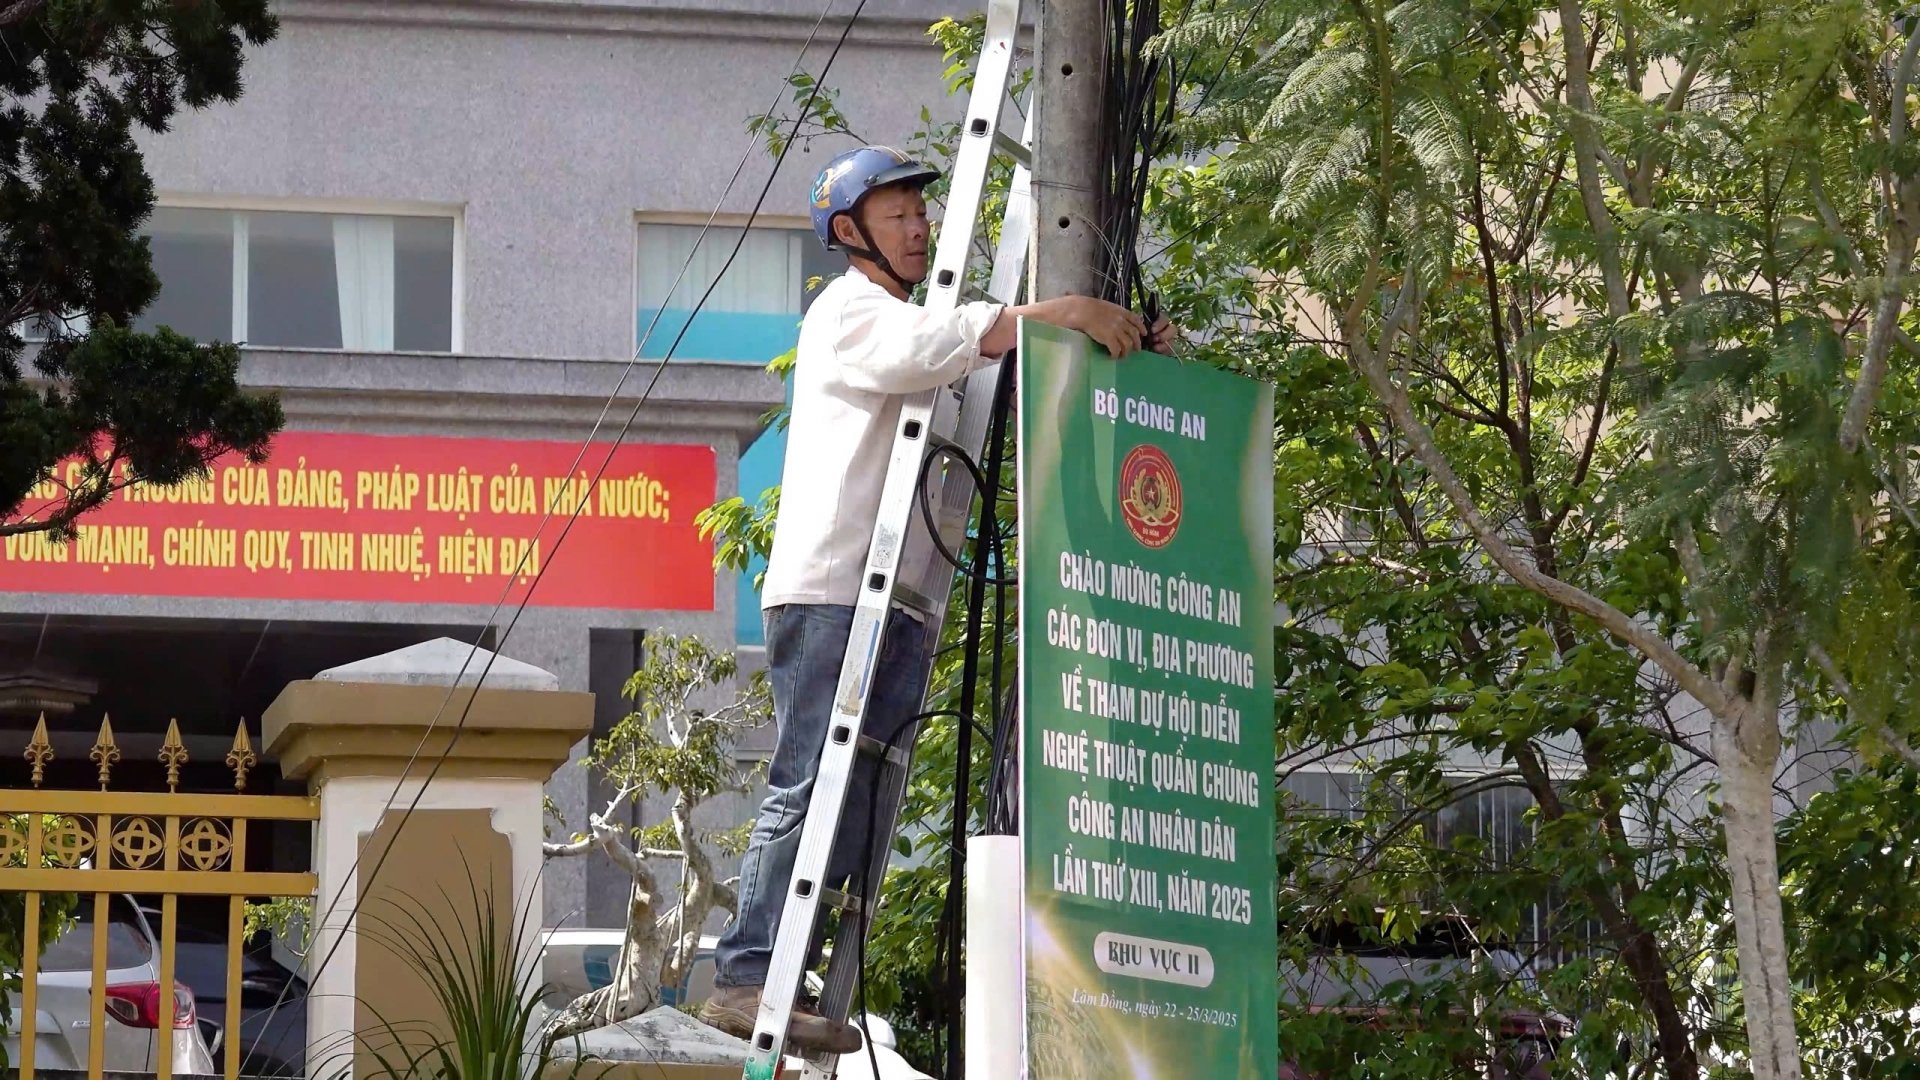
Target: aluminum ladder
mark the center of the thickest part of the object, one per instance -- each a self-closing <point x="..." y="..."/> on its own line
<point x="903" y="570"/>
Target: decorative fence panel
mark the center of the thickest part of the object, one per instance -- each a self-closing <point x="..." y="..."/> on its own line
<point x="74" y="852"/>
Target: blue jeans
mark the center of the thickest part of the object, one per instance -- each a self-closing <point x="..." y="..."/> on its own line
<point x="805" y="646"/>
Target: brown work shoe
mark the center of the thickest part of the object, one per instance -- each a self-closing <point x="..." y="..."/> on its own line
<point x="735" y="1010"/>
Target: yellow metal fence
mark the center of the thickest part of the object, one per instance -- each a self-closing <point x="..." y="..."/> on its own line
<point x="96" y="844"/>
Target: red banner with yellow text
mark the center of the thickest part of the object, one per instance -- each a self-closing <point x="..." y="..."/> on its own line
<point x="411" y="520"/>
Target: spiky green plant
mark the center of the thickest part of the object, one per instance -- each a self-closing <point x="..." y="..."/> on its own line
<point x="484" y="978"/>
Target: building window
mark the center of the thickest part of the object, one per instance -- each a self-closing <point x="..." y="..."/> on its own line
<point x="752" y="316"/>
<point x="304" y="280"/>
<point x="1497" y="820"/>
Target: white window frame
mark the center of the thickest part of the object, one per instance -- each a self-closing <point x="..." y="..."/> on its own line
<point x="241" y="205"/>
<point x="769" y="222"/>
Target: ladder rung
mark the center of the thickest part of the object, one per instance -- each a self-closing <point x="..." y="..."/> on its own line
<point x="1013" y="148"/>
<point x="875" y="748"/>
<point x="909" y="597"/>
<point x="975" y="292"/>
<point x="841" y="901"/>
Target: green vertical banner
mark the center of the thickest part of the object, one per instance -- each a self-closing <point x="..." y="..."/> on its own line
<point x="1146" y="659"/>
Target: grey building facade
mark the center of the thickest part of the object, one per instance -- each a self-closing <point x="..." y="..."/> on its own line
<point x="450" y="220"/>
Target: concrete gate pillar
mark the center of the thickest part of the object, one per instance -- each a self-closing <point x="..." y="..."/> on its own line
<point x="430" y="814"/>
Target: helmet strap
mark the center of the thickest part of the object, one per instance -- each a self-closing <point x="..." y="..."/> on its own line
<point x="871" y="253"/>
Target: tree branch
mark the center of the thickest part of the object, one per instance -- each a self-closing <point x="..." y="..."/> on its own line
<point x="89" y="496"/>
<point x="1641" y="189"/>
<point x="726" y="895"/>
<point x="1902" y="75"/>
<point x="1486" y="415"/>
<point x="1587" y="157"/>
<point x="1892" y="738"/>
<point x="1485" y="235"/>
<point x="1585" y="463"/>
<point x="605" y="836"/>
<point x="1830" y="218"/>
<point x="1395" y="493"/>
<point x="1905" y="202"/>
<point x="1610" y="618"/>
<point x="1886" y="320"/>
<point x="20" y="11"/>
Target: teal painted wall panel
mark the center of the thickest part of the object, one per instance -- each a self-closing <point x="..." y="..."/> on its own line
<point x="744" y="338"/>
<point x="737" y="337"/>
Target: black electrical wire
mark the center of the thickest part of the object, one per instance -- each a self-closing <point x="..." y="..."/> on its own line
<point x="869" y="896"/>
<point x="1140" y="103"/>
<point x="924" y="496"/>
<point x="986" y="538"/>
<point x="1004" y="405"/>
<point x="1140" y="100"/>
<point x="989" y="544"/>
<point x="997" y="747"/>
<point x="460" y="725"/>
<point x="995" y="820"/>
<point x="1003" y="787"/>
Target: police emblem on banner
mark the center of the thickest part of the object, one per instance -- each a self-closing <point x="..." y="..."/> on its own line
<point x="1150" y="496"/>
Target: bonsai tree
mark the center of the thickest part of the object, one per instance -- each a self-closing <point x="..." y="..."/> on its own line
<point x="670" y="743"/>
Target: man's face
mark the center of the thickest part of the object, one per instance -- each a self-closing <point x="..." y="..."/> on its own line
<point x="896" y="219"/>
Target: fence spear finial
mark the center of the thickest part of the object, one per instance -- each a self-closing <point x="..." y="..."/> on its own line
<point x="105" y="751"/>
<point x="241" y="758"/>
<point x="39" y="751"/>
<point x="173" y="753"/>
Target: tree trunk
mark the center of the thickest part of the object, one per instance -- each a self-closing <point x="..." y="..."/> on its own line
<point x="696" y="899"/>
<point x="635" y="988"/>
<point x="1747" y="749"/>
<point x="1639" y="949"/>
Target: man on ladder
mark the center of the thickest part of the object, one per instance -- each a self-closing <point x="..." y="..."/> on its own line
<point x="863" y="345"/>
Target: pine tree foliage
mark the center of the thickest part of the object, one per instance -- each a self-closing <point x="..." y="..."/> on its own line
<point x="80" y="78"/>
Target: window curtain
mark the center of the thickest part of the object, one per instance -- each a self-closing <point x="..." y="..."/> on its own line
<point x="753" y="314"/>
<point x="363" y="269"/>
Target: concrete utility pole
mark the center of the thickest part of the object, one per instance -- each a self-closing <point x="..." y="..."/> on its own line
<point x="1070" y="63"/>
<point x="1070" y="66"/>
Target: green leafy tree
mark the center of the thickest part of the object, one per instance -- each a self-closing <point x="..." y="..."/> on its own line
<point x="79" y="78"/>
<point x="674" y="742"/>
<point x="1613" y="295"/>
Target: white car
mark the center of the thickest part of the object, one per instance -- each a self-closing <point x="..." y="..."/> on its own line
<point x="133" y="1004"/>
<point x="576" y="961"/>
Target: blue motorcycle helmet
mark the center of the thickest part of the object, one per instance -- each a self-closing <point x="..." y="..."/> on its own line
<point x="848" y="179"/>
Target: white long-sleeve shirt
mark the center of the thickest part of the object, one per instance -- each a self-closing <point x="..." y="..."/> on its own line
<point x="860" y="351"/>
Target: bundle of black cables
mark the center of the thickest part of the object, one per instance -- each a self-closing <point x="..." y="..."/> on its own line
<point x="1141" y="96"/>
<point x="989" y="566"/>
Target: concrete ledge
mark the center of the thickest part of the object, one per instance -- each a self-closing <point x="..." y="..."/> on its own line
<point x="319" y="729"/>
<point x="665" y="1044"/>
<point x="486" y="395"/>
<point x="894" y="22"/>
<point x="382" y="715"/>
